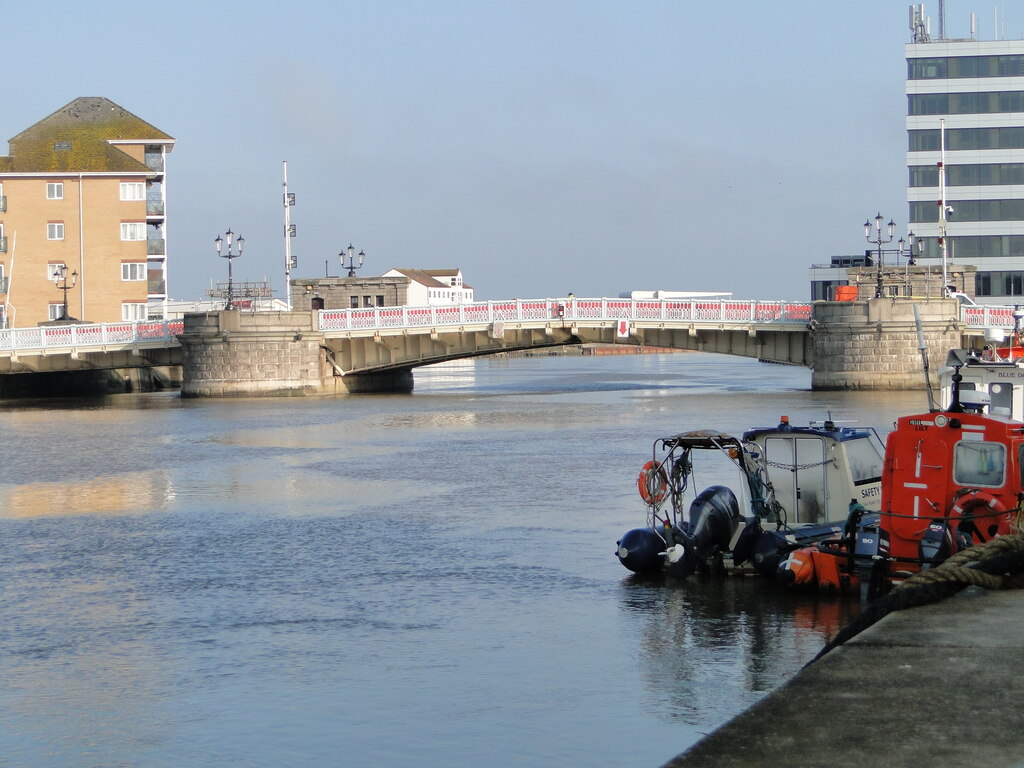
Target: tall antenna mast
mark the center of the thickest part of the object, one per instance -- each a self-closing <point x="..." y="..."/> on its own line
<point x="942" y="19"/>
<point x="289" y="233"/>
<point x="942" y="201"/>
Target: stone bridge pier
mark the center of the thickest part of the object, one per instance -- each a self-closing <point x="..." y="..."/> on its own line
<point x="873" y="344"/>
<point x="230" y="353"/>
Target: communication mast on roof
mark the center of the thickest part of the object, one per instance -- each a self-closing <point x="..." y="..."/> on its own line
<point x="919" y="24"/>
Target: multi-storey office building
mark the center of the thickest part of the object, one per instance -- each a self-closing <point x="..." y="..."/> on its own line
<point x="82" y="216"/>
<point x="969" y="96"/>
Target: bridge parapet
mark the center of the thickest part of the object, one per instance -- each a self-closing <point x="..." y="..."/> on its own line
<point x="383" y="318"/>
<point x="80" y="335"/>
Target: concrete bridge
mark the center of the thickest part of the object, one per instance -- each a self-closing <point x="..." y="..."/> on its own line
<point x="377" y="348"/>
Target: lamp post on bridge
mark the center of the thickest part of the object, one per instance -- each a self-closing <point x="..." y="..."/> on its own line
<point x="350" y="253"/>
<point x="60" y="279"/>
<point x="230" y="254"/>
<point x="879" y="240"/>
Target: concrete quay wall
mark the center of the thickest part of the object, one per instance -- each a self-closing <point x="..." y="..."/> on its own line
<point x="873" y="344"/>
<point x="935" y="685"/>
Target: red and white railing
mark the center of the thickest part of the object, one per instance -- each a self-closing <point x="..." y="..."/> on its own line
<point x="57" y="336"/>
<point x="543" y="310"/>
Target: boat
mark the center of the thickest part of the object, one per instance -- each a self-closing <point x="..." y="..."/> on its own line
<point x="797" y="486"/>
<point x="992" y="379"/>
<point x="951" y="477"/>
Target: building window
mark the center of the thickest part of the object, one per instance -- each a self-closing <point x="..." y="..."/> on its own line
<point x="133" y="190"/>
<point x="55" y="190"/>
<point x="353" y="301"/>
<point x="53" y="271"/>
<point x="380" y="300"/>
<point x="55" y="230"/>
<point x="134" y="271"/>
<point x="132" y="312"/>
<point x="56" y="311"/>
<point x="367" y="301"/>
<point x="965" y="103"/>
<point x="133" y="230"/>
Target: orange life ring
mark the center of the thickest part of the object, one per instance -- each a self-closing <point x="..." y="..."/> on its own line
<point x="973" y="500"/>
<point x="652" y="483"/>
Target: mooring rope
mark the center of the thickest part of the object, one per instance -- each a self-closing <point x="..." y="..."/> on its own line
<point x="995" y="564"/>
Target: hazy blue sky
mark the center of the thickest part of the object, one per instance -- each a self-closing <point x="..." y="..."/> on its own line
<point x="543" y="146"/>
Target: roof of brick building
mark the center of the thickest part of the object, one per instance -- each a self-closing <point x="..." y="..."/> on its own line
<point x="76" y="138"/>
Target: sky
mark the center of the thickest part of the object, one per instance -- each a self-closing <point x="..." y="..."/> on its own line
<point x="541" y="146"/>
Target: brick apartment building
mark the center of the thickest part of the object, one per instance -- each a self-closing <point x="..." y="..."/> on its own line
<point x="82" y="208"/>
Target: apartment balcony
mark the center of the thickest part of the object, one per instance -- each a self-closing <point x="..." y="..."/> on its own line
<point x="156" y="286"/>
<point x="155" y="162"/>
<point x="156" y="247"/>
<point x="154" y="207"/>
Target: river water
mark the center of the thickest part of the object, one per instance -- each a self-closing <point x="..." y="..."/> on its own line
<point x="406" y="580"/>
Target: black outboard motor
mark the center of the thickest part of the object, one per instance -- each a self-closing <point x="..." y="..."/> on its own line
<point x="714" y="517"/>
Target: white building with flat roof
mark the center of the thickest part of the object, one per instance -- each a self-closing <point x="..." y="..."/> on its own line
<point x="965" y="109"/>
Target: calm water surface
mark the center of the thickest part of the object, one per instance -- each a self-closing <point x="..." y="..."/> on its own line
<point x="423" y="580"/>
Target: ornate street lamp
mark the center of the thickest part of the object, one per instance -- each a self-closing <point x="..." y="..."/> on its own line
<point x="229" y="254"/>
<point x="352" y="266"/>
<point x="879" y="240"/>
<point x="60" y="279"/>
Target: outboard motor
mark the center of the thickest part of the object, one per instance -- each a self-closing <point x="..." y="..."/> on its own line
<point x="714" y="517"/>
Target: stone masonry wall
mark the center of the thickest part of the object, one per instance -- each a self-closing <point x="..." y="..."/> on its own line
<point x="873" y="344"/>
<point x="236" y="354"/>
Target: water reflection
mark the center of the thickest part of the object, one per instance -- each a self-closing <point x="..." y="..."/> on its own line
<point x="710" y="647"/>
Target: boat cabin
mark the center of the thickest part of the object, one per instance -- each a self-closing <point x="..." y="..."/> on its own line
<point x="818" y="470"/>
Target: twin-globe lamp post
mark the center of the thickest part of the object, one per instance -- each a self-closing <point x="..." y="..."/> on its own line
<point x="229" y="254"/>
<point x="879" y="240"/>
<point x="350" y="254"/>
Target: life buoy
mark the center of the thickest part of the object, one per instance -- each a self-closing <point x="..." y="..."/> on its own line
<point x="980" y="505"/>
<point x="974" y="499"/>
<point x="652" y="483"/>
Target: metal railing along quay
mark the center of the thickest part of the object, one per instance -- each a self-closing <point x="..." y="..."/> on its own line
<point x="63" y="336"/>
<point x="593" y="310"/>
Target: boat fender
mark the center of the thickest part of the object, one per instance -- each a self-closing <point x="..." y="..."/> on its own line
<point x="652" y="483"/>
<point x="640" y="550"/>
<point x="797" y="568"/>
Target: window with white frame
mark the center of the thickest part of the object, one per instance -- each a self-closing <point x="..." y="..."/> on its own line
<point x="133" y="190"/>
<point x="134" y="271"/>
<point x="132" y="312"/>
<point x="55" y="190"/>
<point x="133" y="230"/>
<point x="53" y="271"/>
<point x="55" y="230"/>
<point x="56" y="311"/>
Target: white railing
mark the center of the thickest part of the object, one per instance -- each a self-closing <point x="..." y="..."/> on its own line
<point x="745" y="312"/>
<point x="57" y="336"/>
